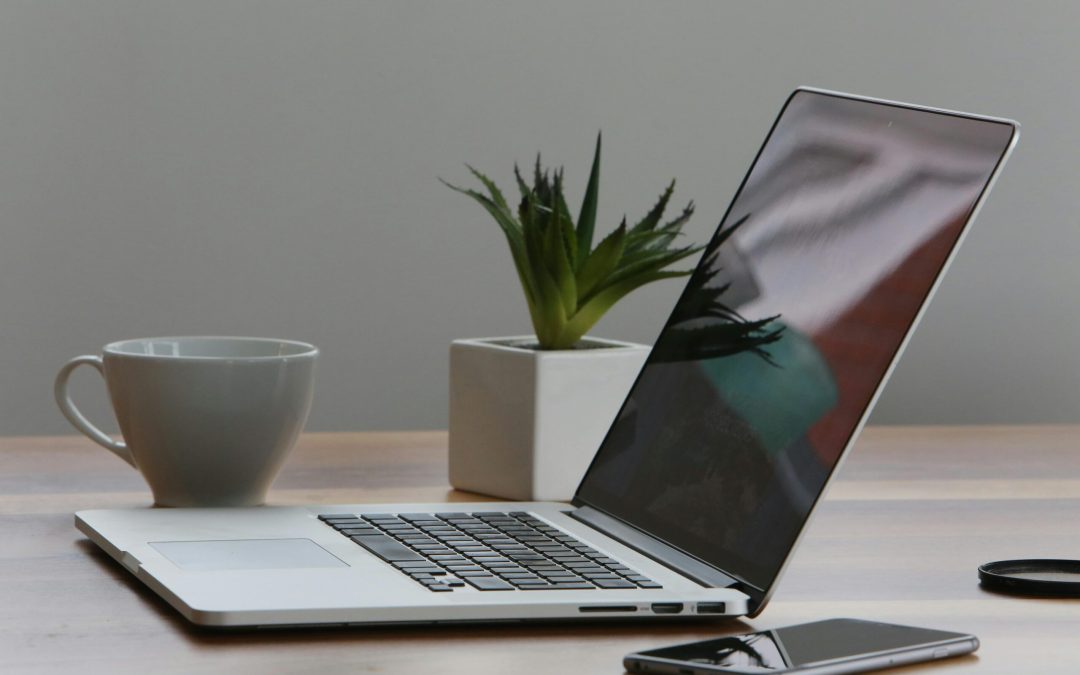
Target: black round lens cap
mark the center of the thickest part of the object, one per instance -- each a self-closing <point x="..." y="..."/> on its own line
<point x="1037" y="576"/>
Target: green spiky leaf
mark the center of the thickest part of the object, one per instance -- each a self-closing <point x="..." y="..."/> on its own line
<point x="602" y="261"/>
<point x="596" y="307"/>
<point x="656" y="212"/>
<point x="514" y="238"/>
<point x="587" y="215"/>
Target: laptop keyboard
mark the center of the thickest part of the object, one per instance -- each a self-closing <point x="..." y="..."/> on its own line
<point x="488" y="551"/>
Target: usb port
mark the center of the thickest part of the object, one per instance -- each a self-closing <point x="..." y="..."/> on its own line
<point x="667" y="607"/>
<point x="711" y="608"/>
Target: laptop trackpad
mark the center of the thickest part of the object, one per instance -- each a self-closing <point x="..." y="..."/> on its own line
<point x="246" y="554"/>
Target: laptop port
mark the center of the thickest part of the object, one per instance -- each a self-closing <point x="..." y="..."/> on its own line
<point x="711" y="608"/>
<point x="667" y="607"/>
<point x="608" y="608"/>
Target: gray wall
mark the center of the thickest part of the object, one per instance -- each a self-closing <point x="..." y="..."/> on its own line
<point x="270" y="168"/>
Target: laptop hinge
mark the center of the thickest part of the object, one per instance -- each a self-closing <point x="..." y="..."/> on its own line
<point x="707" y="576"/>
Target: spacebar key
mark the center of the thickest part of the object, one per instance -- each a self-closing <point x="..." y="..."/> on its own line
<point x="386" y="548"/>
<point x="488" y="583"/>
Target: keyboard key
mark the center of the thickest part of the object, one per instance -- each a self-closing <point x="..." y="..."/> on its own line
<point x="338" y="516"/>
<point x="382" y="518"/>
<point x="429" y="580"/>
<point x="593" y="570"/>
<point x="465" y="522"/>
<point x="543" y="566"/>
<point x="418" y="541"/>
<point x="612" y="583"/>
<point x="414" y="565"/>
<point x="424" y="574"/>
<point x="434" y="550"/>
<point x="517" y="575"/>
<point x="573" y="585"/>
<point x="648" y="584"/>
<point x="354" y="531"/>
<point x="509" y="569"/>
<point x="386" y="548"/>
<point x="412" y="517"/>
<point x="488" y="583"/>
<point x="558" y="574"/>
<point x="439" y="588"/>
<point x="609" y="576"/>
<point x="347" y="522"/>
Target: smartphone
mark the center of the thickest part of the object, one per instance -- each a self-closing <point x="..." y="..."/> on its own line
<point x="825" y="647"/>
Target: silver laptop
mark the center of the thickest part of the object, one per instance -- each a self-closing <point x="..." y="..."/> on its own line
<point x="693" y="504"/>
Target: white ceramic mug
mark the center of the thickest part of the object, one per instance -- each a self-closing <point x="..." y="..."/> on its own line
<point x="208" y="421"/>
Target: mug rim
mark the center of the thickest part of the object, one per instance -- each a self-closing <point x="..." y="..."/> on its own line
<point x="116" y="348"/>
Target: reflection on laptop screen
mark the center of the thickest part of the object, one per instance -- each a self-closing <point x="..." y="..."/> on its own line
<point x="788" y="325"/>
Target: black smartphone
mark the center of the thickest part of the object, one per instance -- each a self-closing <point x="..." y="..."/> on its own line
<point x="832" y="646"/>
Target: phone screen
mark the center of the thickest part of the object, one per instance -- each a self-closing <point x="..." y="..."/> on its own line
<point x="802" y="645"/>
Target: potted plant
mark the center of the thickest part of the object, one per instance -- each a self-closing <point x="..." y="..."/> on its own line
<point x="527" y="413"/>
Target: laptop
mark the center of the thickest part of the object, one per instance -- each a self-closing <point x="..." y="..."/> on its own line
<point x="753" y="392"/>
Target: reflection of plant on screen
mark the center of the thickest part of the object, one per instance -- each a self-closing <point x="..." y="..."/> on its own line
<point x="704" y="326"/>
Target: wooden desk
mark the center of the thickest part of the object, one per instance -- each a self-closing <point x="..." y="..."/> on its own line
<point x="913" y="514"/>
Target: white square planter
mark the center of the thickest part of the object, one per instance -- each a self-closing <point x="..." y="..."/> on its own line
<point x="525" y="423"/>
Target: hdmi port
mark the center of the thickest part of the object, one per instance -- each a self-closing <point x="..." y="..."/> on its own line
<point x="667" y="607"/>
<point x="608" y="608"/>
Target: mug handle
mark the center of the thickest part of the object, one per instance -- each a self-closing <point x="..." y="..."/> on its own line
<point x="77" y="419"/>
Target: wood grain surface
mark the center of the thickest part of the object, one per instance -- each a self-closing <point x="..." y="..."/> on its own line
<point x="914" y="511"/>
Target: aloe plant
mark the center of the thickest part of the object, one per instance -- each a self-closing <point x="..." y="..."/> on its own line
<point x="569" y="284"/>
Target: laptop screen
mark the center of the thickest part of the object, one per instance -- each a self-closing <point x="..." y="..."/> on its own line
<point x="788" y="326"/>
